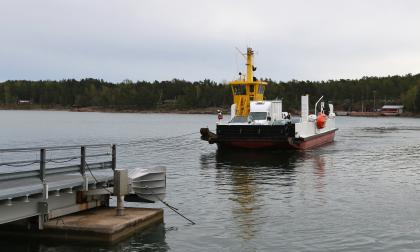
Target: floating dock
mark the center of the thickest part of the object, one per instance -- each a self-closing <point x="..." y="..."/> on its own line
<point x="99" y="225"/>
<point x="68" y="202"/>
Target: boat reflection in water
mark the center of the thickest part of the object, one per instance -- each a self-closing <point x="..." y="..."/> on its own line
<point x="245" y="175"/>
<point x="319" y="171"/>
<point x="259" y="184"/>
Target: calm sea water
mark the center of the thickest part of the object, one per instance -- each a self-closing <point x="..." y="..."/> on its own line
<point x="361" y="193"/>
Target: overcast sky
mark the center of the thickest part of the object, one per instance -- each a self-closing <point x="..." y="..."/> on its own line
<point x="193" y="40"/>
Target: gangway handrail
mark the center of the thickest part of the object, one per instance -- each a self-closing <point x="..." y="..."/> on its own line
<point x="34" y="173"/>
<point x="64" y="147"/>
<point x="71" y="158"/>
<point x="42" y="171"/>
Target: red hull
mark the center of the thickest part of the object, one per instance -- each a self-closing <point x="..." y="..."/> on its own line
<point x="316" y="141"/>
<point x="301" y="144"/>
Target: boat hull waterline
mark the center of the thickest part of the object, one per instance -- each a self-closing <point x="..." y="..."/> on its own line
<point x="286" y="143"/>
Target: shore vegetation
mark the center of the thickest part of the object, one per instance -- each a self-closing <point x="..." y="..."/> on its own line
<point x="365" y="94"/>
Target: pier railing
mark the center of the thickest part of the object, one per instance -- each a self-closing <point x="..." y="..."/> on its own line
<point x="43" y="160"/>
<point x="26" y="183"/>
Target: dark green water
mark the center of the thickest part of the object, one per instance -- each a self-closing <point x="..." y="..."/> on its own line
<point x="361" y="193"/>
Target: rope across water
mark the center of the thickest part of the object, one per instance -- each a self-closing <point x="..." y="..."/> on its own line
<point x="73" y="147"/>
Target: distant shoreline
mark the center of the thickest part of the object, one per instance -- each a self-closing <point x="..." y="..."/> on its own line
<point x="209" y="110"/>
<point x="197" y="111"/>
<point x="374" y="114"/>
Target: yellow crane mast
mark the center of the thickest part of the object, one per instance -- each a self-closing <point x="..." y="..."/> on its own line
<point x="247" y="88"/>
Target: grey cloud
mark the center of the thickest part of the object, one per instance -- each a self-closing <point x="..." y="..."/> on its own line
<point x="193" y="40"/>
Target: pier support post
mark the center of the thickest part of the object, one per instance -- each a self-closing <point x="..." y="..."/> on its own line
<point x="114" y="157"/>
<point x="42" y="162"/>
<point x="83" y="167"/>
<point x="43" y="206"/>
<point x="120" y="206"/>
<point x="42" y="165"/>
<point x="82" y="160"/>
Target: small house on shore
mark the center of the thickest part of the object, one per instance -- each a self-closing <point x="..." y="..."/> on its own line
<point x="24" y="102"/>
<point x="392" y="110"/>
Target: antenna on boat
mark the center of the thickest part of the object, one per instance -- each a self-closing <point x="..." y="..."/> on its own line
<point x="241" y="53"/>
<point x="316" y="104"/>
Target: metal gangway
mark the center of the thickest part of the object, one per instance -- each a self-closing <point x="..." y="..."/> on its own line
<point x="61" y="180"/>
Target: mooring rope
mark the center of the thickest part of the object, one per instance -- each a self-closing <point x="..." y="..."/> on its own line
<point x="147" y="188"/>
<point x="170" y="207"/>
<point x="147" y="140"/>
<point x="175" y="210"/>
<point x="28" y="163"/>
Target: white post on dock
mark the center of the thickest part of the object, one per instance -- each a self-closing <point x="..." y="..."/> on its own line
<point x="120" y="188"/>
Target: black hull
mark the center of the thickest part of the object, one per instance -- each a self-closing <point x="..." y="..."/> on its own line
<point x="263" y="137"/>
<point x="251" y="136"/>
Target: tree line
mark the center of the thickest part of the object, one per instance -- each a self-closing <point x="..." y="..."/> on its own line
<point x="365" y="94"/>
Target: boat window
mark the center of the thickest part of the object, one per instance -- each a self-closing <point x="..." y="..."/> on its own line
<point x="257" y="116"/>
<point x="239" y="89"/>
<point x="261" y="89"/>
<point x="251" y="88"/>
<point x="239" y="119"/>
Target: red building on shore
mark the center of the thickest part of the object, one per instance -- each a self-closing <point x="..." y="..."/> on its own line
<point x="392" y="110"/>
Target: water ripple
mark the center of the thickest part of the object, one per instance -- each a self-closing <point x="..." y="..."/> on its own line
<point x="361" y="193"/>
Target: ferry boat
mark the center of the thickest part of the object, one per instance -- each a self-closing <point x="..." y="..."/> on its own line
<point x="259" y="124"/>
